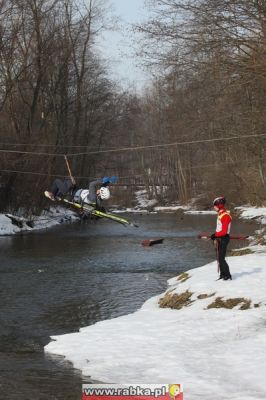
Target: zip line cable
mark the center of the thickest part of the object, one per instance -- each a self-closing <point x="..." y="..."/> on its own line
<point x="133" y="176"/>
<point x="34" y="173"/>
<point x="61" y="176"/>
<point x="167" y="144"/>
<point x="136" y="147"/>
<point x="45" y="145"/>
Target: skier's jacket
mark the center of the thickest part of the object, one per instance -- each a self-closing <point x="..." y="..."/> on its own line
<point x="81" y="196"/>
<point x="223" y="223"/>
<point x="89" y="196"/>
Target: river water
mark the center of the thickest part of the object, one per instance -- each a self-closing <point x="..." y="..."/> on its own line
<point x="54" y="282"/>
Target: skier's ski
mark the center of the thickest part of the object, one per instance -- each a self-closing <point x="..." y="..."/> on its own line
<point x="113" y="217"/>
<point x="92" y="211"/>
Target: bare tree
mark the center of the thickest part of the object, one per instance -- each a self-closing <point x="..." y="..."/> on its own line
<point x="211" y="58"/>
<point x="54" y="91"/>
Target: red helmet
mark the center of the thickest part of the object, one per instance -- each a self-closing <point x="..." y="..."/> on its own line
<point x="219" y="201"/>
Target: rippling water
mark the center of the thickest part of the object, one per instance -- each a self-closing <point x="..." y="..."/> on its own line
<point x="55" y="282"/>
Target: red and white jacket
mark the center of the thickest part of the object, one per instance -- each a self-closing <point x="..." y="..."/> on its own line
<point x="223" y="223"/>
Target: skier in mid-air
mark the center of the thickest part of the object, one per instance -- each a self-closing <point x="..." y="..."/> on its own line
<point x="93" y="197"/>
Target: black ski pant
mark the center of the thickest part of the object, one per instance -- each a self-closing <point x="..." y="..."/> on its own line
<point x="61" y="186"/>
<point x="222" y="246"/>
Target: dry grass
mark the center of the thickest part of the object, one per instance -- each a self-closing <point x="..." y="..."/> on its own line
<point x="261" y="238"/>
<point x="241" y="252"/>
<point x="176" y="301"/>
<point x="183" y="277"/>
<point x="205" y="296"/>
<point x="230" y="303"/>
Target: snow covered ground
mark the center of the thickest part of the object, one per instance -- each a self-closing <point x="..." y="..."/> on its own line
<point x="216" y="353"/>
<point x="258" y="213"/>
<point x="46" y="220"/>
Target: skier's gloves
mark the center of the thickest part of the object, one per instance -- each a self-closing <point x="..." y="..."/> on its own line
<point x="106" y="179"/>
<point x="213" y="237"/>
<point x="114" y="179"/>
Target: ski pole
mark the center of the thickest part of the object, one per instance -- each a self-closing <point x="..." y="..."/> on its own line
<point x="216" y="244"/>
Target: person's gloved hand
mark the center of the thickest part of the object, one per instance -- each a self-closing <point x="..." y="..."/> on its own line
<point x="114" y="179"/>
<point x="213" y="237"/>
<point x="106" y="179"/>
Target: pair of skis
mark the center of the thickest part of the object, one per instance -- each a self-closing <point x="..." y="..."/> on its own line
<point x="89" y="210"/>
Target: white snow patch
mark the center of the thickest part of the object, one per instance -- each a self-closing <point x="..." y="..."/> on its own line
<point x="46" y="220"/>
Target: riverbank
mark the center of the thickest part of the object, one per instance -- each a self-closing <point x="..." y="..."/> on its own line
<point x="56" y="214"/>
<point x="200" y="332"/>
<point x="14" y="224"/>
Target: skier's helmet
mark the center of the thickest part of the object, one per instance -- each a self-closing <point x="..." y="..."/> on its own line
<point x="104" y="193"/>
<point x="219" y="201"/>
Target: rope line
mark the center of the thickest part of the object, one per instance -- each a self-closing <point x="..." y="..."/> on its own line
<point x="47" y="145"/>
<point x="136" y="147"/>
<point x="35" y="173"/>
<point x="169" y="144"/>
<point x="62" y="176"/>
<point x="31" y="152"/>
<point x="133" y="176"/>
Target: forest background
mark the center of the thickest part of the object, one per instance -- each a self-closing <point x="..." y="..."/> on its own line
<point x="196" y="130"/>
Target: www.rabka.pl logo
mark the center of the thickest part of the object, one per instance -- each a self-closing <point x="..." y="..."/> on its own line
<point x="173" y="391"/>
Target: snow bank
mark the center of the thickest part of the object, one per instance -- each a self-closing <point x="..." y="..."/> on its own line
<point x="46" y="220"/>
<point x="214" y="353"/>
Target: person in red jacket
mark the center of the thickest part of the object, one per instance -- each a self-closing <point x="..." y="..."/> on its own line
<point x="221" y="236"/>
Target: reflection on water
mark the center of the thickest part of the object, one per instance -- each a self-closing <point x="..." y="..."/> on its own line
<point x="57" y="281"/>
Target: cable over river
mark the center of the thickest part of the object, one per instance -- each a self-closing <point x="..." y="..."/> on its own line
<point x="57" y="281"/>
